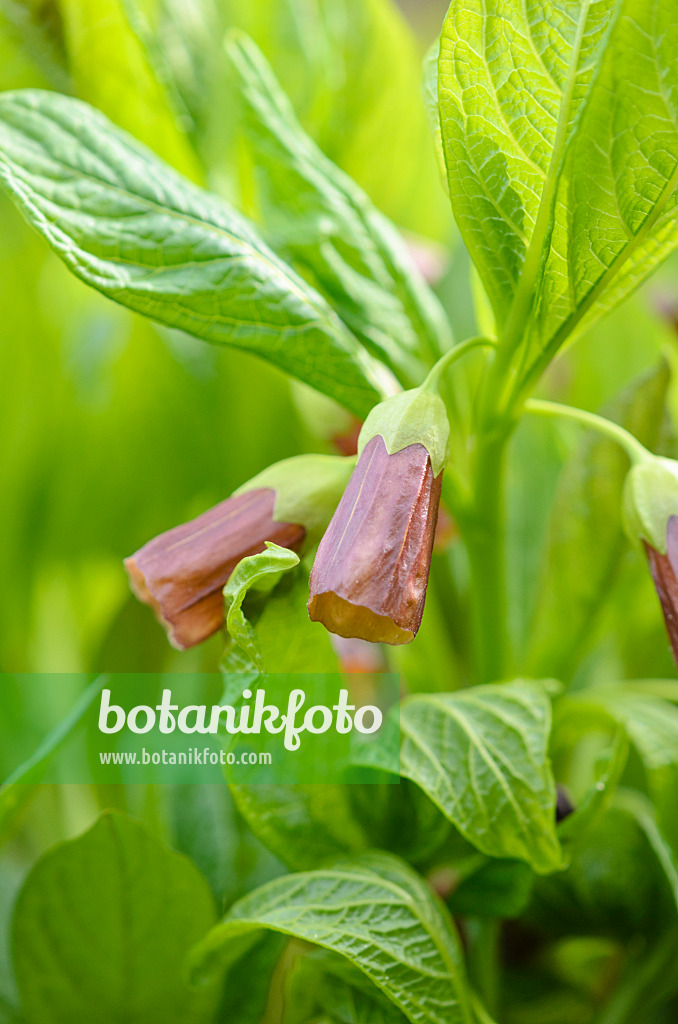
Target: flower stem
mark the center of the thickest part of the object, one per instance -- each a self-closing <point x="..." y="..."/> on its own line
<point x="433" y="379"/>
<point x="633" y="448"/>
<point x="484" y="533"/>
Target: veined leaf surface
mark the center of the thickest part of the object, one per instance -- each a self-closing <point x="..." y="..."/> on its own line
<point x="616" y="215"/>
<point x="316" y="213"/>
<point x="560" y="124"/>
<point x="127" y="224"/>
<point x="374" y="911"/>
<point x="481" y="756"/>
<point x="513" y="79"/>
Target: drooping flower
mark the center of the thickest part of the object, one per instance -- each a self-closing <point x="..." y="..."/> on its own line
<point x="664" y="569"/>
<point x="371" y="571"/>
<point x="181" y="573"/>
<point x="651" y="513"/>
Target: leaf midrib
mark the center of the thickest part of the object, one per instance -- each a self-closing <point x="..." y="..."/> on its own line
<point x="277" y="266"/>
<point x="523" y="296"/>
<point x="620" y="260"/>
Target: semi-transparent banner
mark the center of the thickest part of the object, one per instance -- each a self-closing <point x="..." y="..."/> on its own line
<point x="245" y="728"/>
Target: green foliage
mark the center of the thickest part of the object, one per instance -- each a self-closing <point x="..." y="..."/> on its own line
<point x="481" y="756"/>
<point x="561" y="220"/>
<point x="557" y="127"/>
<point x="253" y="572"/>
<point x="375" y="912"/>
<point x="96" y="937"/>
<point x="186" y="259"/>
<point x="341" y="241"/>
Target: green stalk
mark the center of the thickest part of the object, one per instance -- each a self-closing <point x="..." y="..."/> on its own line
<point x="633" y="448"/>
<point x="432" y="381"/>
<point x="485" y="534"/>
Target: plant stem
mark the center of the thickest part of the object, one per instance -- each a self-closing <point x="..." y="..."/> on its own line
<point x="484" y="532"/>
<point x="634" y="449"/>
<point x="452" y="356"/>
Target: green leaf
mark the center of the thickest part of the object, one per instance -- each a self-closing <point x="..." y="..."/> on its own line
<point x="321" y="219"/>
<point x="302" y="825"/>
<point x="499" y="888"/>
<point x="318" y="983"/>
<point x="374" y="911"/>
<point x="652" y="725"/>
<point x="599" y="796"/>
<point x="336" y="60"/>
<point x="102" y="927"/>
<point x="636" y="804"/>
<point x="560" y="136"/>
<point x="128" y="225"/>
<point x="259" y="572"/>
<point x="113" y="71"/>
<point x="278" y="636"/>
<point x="615" y="885"/>
<point x="616" y="215"/>
<point x="481" y="756"/>
<point x="587" y="539"/>
<point x="513" y="79"/>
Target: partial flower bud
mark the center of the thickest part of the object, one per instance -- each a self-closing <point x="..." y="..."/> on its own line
<point x="650" y="499"/>
<point x="651" y="513"/>
<point x="371" y="571"/>
<point x="664" y="569"/>
<point x="181" y="574"/>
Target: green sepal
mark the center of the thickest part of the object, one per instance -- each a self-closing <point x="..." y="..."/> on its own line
<point x="307" y="488"/>
<point x="650" y="499"/>
<point x="410" y="417"/>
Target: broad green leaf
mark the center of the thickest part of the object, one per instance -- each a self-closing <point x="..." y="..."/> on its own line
<point x="635" y="803"/>
<point x="128" y="225"/>
<point x="321" y="982"/>
<point x="587" y="539"/>
<point x="513" y="78"/>
<point x="203" y="824"/>
<point x="481" y="756"/>
<point x="102" y="927"/>
<point x="600" y="794"/>
<point x="374" y="911"/>
<point x="499" y="888"/>
<point x="245" y="1001"/>
<point x="562" y="155"/>
<point x="317" y="215"/>
<point x="112" y="70"/>
<point x="302" y="825"/>
<point x="652" y="725"/>
<point x="336" y="60"/>
<point x="615" y="885"/>
<point x="616" y="212"/>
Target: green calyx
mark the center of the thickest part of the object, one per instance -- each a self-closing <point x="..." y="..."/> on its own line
<point x="307" y="489"/>
<point x="650" y="499"/>
<point x="411" y="417"/>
